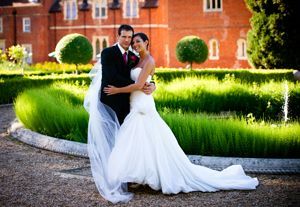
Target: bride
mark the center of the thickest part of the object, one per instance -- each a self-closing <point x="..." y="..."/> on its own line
<point x="145" y="151"/>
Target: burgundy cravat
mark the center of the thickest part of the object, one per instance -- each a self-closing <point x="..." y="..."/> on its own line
<point x="125" y="57"/>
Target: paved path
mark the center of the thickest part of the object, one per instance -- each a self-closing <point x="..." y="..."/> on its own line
<point x="34" y="177"/>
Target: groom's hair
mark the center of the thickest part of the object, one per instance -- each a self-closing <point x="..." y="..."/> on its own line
<point x="125" y="27"/>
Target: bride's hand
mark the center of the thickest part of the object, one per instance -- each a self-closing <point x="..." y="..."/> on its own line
<point x="110" y="90"/>
<point x="149" y="88"/>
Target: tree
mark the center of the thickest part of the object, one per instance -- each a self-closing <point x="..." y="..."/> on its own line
<point x="274" y="36"/>
<point x="18" y="54"/>
<point x="3" y="56"/>
<point x="74" y="49"/>
<point x="191" y="49"/>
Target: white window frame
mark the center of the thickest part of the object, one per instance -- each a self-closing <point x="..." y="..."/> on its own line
<point x="241" y="49"/>
<point x="1" y="25"/>
<point x="102" y="5"/>
<point x="131" y="3"/>
<point x="208" y="7"/>
<point x="26" y="24"/>
<point x="28" y="48"/>
<point x="73" y="14"/>
<point x="211" y="49"/>
<point x="100" y="38"/>
<point x="2" y="45"/>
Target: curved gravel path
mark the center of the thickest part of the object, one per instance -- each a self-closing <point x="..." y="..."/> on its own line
<point x="34" y="177"/>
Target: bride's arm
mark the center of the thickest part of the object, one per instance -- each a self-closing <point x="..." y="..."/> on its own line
<point x="146" y="71"/>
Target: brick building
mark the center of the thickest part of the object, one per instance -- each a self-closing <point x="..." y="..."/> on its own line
<point x="39" y="24"/>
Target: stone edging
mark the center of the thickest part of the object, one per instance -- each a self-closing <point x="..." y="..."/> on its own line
<point x="5" y="105"/>
<point x="45" y="142"/>
<point x="252" y="165"/>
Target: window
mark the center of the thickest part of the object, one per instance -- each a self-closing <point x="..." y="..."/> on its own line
<point x="2" y="45"/>
<point x="212" y="5"/>
<point x="100" y="9"/>
<point x="134" y="8"/>
<point x="100" y="42"/>
<point x="241" y="49"/>
<point x="70" y="9"/>
<point x="98" y="47"/>
<point x="1" y="25"/>
<point x="130" y="8"/>
<point x="26" y="24"/>
<point x="28" y="49"/>
<point x="213" y="49"/>
<point x="104" y="43"/>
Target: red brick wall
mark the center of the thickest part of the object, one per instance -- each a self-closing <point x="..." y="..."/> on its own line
<point x="158" y="36"/>
<point x="226" y="26"/>
<point x="171" y="21"/>
<point x="38" y="37"/>
<point x="8" y="31"/>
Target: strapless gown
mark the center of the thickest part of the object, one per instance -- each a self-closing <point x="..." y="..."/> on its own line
<point x="147" y="152"/>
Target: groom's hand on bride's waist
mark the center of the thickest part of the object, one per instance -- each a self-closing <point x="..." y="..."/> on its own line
<point x="149" y="88"/>
<point x="110" y="90"/>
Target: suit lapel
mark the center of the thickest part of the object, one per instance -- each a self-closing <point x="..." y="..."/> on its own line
<point x="119" y="55"/>
<point x="132" y="60"/>
<point x="120" y="58"/>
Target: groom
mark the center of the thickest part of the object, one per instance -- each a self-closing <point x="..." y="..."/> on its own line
<point x="117" y="61"/>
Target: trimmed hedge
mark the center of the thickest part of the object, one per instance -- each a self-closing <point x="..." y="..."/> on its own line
<point x="238" y="99"/>
<point x="244" y="76"/>
<point x="58" y="111"/>
<point x="11" y="87"/>
<point x="209" y="95"/>
<point x="55" y="110"/>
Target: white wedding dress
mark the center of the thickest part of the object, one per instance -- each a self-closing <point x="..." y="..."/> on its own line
<point x="146" y="152"/>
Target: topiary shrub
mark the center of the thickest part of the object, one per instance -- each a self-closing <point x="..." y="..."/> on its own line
<point x="191" y="49"/>
<point x="74" y="49"/>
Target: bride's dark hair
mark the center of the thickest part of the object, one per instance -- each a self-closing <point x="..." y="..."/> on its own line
<point x="143" y="36"/>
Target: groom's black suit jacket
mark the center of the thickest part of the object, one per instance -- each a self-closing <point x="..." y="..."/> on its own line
<point x="115" y="72"/>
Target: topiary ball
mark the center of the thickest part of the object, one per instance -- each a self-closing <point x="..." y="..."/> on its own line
<point x="191" y="49"/>
<point x="74" y="49"/>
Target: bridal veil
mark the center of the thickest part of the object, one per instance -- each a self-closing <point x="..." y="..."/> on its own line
<point x="102" y="129"/>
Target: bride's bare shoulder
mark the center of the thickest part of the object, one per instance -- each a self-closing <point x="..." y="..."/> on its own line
<point x="151" y="61"/>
